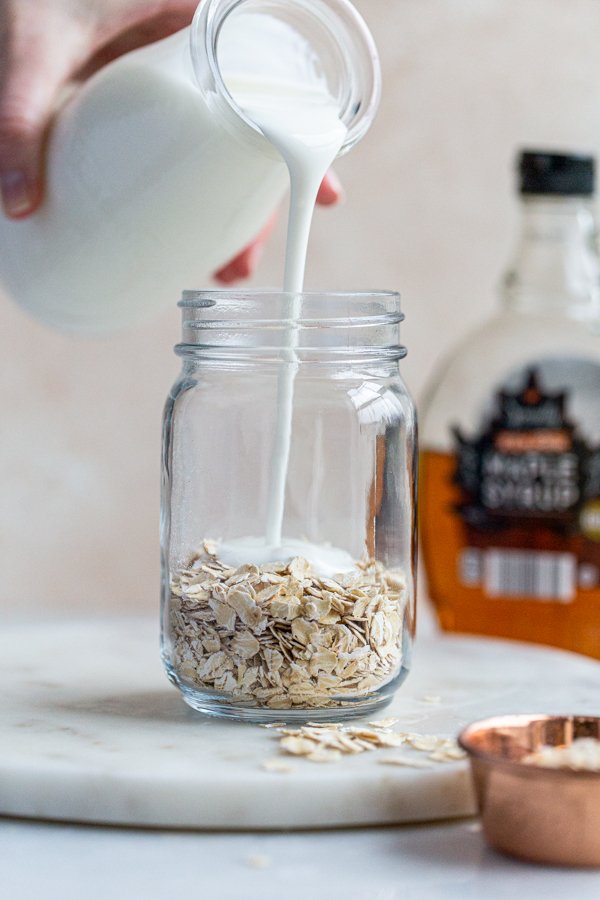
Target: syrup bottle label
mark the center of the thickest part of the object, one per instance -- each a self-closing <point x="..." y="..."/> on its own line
<point x="528" y="486"/>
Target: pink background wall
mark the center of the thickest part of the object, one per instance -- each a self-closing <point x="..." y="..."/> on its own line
<point x="428" y="212"/>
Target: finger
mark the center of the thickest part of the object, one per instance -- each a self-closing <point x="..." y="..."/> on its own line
<point x="241" y="267"/>
<point x="245" y="263"/>
<point x="36" y="62"/>
<point x="331" y="190"/>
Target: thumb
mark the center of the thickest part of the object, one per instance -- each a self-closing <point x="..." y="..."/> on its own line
<point x="36" y="62"/>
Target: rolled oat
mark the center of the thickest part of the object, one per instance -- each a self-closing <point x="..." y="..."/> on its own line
<point x="280" y="636"/>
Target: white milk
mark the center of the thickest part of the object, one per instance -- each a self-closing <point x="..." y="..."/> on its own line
<point x="325" y="559"/>
<point x="302" y="122"/>
<point x="306" y="129"/>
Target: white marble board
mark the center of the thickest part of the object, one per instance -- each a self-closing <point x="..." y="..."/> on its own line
<point x="91" y="731"/>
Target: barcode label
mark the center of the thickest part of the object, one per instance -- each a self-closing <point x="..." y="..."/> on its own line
<point x="524" y="573"/>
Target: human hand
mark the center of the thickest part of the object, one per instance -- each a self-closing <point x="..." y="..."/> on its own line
<point x="44" y="45"/>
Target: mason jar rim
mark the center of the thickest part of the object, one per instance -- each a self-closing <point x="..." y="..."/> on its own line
<point x="208" y="299"/>
<point x="315" y="324"/>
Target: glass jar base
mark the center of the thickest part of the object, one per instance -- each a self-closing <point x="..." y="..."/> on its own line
<point x="219" y="707"/>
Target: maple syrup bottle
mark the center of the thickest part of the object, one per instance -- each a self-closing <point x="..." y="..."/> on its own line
<point x="510" y="490"/>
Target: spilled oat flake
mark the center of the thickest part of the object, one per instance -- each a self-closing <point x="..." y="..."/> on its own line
<point x="277" y="765"/>
<point x="330" y="742"/>
<point x="281" y="637"/>
<point x="258" y="861"/>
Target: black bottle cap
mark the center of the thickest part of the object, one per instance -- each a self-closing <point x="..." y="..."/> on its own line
<point x="560" y="174"/>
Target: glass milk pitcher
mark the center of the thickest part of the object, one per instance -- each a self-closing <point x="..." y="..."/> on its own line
<point x="155" y="175"/>
<point x="298" y="606"/>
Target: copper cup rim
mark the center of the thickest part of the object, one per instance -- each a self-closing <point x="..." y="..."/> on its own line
<point x="494" y="722"/>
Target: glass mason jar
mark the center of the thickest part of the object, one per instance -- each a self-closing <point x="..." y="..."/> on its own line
<point x="288" y="506"/>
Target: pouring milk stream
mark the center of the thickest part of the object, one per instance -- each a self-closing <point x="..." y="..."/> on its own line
<point x="303" y="123"/>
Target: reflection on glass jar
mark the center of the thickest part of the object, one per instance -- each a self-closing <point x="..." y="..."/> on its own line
<point x="288" y="517"/>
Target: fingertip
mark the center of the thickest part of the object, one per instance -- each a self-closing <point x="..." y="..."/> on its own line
<point x="20" y="194"/>
<point x="226" y="275"/>
<point x="236" y="270"/>
<point x="330" y="191"/>
<point x="243" y="266"/>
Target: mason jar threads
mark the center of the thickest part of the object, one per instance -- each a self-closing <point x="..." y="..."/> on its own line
<point x="288" y="506"/>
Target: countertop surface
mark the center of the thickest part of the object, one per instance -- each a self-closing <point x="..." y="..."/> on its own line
<point x="91" y="731"/>
<point x="55" y="861"/>
<point x="40" y="861"/>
